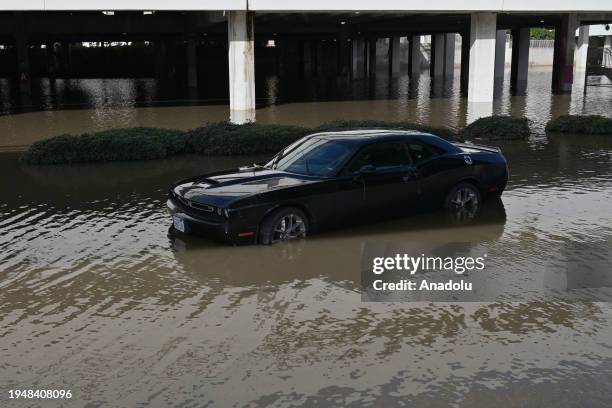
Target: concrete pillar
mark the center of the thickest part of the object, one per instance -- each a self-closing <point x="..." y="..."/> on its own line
<point x="582" y="48"/>
<point x="67" y="59"/>
<point x="482" y="64"/>
<point x="520" y="61"/>
<point x="23" y="57"/>
<point x="415" y="62"/>
<point x="308" y="59"/>
<point x="563" y="57"/>
<point x="192" y="64"/>
<point x="436" y="62"/>
<point x="160" y="50"/>
<point x="372" y="56"/>
<point x="449" y="55"/>
<point x="500" y="54"/>
<point x="358" y="65"/>
<point x="241" y="67"/>
<point x="344" y="53"/>
<point x="394" y="56"/>
<point x="465" y="62"/>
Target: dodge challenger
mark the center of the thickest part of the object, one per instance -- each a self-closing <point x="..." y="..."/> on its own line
<point x="332" y="179"/>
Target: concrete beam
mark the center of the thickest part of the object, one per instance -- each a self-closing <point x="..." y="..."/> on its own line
<point x="482" y="64"/>
<point x="520" y="61"/>
<point x="394" y="56"/>
<point x="582" y="49"/>
<point x="449" y="55"/>
<point x="314" y="5"/>
<point x="241" y="66"/>
<point x="563" y="57"/>
<point x="500" y="54"/>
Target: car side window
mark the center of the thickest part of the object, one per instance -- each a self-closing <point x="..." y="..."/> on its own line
<point x="383" y="155"/>
<point x="420" y="151"/>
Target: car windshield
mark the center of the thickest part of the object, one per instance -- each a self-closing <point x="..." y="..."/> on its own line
<point x="313" y="156"/>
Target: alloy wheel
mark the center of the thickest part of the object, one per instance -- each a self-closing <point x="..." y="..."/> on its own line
<point x="289" y="226"/>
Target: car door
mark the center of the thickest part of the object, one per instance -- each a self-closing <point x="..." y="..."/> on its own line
<point x="390" y="183"/>
<point x="433" y="166"/>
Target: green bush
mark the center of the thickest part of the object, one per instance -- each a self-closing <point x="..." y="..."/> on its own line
<point x="581" y="124"/>
<point x="223" y="138"/>
<point x="226" y="139"/>
<point x="111" y="145"/>
<point x="339" y="125"/>
<point x="497" y="128"/>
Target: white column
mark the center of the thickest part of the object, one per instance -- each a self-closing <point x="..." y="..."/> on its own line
<point x="241" y="67"/>
<point x="415" y="55"/>
<point x="482" y="64"/>
<point x="394" y="56"/>
<point x="449" y="55"/>
<point x="582" y="48"/>
<point x="500" y="53"/>
<point x="437" y="55"/>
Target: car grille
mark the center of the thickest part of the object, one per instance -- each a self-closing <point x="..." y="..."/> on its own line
<point x="195" y="209"/>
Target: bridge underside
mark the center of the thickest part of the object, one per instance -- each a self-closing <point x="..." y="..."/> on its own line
<point x="337" y="43"/>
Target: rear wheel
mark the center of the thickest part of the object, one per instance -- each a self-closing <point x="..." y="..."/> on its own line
<point x="463" y="201"/>
<point x="284" y="224"/>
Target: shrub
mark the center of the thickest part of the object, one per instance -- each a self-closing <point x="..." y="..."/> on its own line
<point x="497" y="128"/>
<point x="581" y="124"/>
<point x="339" y="125"/>
<point x="224" y="138"/>
<point x="111" y="145"/>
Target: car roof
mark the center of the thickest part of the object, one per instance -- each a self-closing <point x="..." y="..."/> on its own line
<point x="368" y="135"/>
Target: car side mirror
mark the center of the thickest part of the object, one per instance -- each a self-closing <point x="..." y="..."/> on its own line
<point x="367" y="170"/>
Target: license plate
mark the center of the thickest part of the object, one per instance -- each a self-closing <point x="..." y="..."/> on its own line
<point x="179" y="223"/>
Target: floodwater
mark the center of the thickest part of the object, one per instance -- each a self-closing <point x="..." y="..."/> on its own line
<point x="81" y="105"/>
<point x="99" y="298"/>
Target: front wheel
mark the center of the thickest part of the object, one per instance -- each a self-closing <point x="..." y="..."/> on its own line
<point x="285" y="224"/>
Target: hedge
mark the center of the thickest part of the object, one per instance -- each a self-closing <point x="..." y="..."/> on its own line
<point x="497" y="128"/>
<point x="223" y="138"/>
<point x="581" y="124"/>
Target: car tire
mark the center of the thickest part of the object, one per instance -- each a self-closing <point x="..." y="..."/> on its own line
<point x="464" y="200"/>
<point x="284" y="224"/>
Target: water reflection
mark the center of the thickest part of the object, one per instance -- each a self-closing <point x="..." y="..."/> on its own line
<point x="99" y="298"/>
<point x="80" y="105"/>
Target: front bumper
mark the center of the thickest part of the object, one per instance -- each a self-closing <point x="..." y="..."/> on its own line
<point x="227" y="230"/>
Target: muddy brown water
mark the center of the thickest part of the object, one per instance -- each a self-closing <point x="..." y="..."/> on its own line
<point x="99" y="298"/>
<point x="85" y="105"/>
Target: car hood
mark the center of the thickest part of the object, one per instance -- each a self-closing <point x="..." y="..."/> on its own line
<point x="223" y="188"/>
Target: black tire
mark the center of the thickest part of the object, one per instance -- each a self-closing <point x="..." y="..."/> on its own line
<point x="271" y="226"/>
<point x="463" y="201"/>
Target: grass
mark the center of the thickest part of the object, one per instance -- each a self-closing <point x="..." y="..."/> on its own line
<point x="581" y="124"/>
<point x="223" y="138"/>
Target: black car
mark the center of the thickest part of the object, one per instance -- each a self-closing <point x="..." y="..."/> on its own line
<point x="328" y="180"/>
